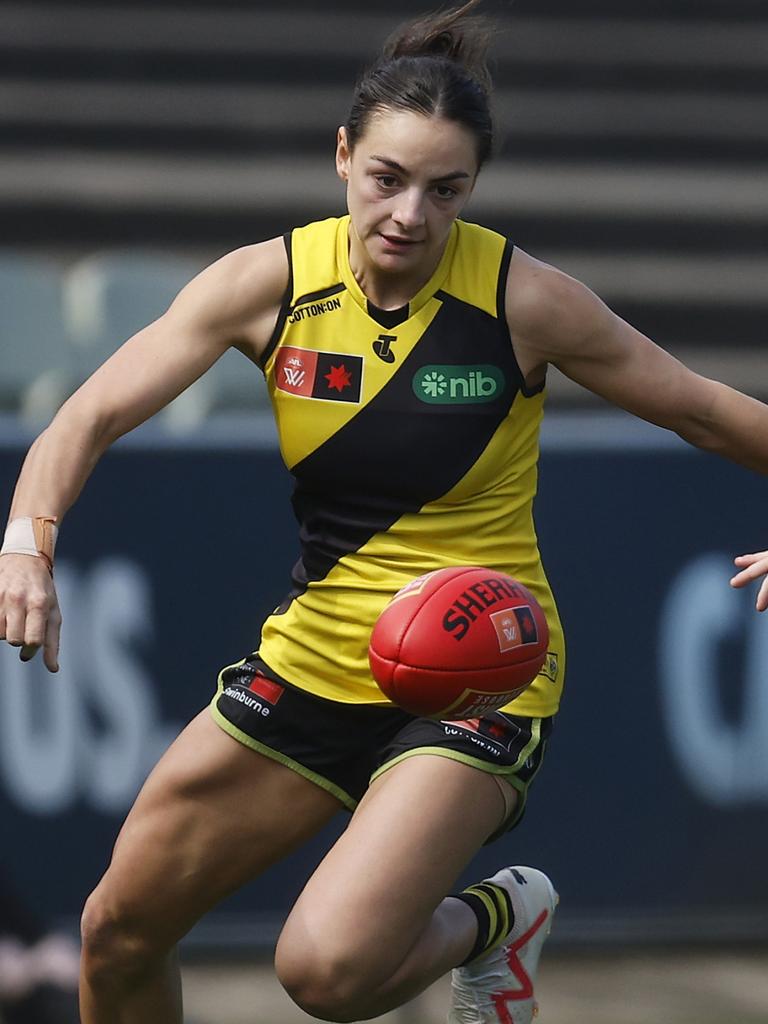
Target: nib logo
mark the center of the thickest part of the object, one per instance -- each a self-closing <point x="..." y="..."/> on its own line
<point x="458" y="385"/>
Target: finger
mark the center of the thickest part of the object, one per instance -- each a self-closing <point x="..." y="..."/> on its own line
<point x="762" y="597"/>
<point x="751" y="556"/>
<point x="738" y="582"/>
<point x="2" y="626"/>
<point x="28" y="651"/>
<point x="14" y="624"/>
<point x="52" y="634"/>
<point x="35" y="623"/>
<point x="750" y="573"/>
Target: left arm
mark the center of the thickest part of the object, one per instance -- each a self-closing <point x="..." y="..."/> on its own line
<point x="556" y="319"/>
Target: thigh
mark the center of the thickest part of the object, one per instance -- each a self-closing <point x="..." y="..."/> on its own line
<point x="413" y="833"/>
<point x="211" y="816"/>
<point x="510" y="747"/>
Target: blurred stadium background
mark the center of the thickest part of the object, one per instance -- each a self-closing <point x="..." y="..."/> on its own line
<point x="140" y="141"/>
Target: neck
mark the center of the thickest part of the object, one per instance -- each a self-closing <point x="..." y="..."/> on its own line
<point x="387" y="291"/>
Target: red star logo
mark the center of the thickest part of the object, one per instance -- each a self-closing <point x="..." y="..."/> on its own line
<point x="528" y="627"/>
<point x="339" y="378"/>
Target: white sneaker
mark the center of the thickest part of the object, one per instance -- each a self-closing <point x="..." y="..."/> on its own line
<point x="497" y="988"/>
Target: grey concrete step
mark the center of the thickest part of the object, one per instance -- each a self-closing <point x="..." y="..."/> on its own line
<point x="331" y="33"/>
<point x="275" y="107"/>
<point x="308" y="185"/>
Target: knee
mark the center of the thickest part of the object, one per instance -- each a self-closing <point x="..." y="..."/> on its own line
<point x="325" y="984"/>
<point x="116" y="949"/>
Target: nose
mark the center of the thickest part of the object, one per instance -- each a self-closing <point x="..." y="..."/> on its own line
<point x="409" y="211"/>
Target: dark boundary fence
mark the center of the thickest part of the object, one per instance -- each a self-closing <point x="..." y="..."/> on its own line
<point x="650" y="811"/>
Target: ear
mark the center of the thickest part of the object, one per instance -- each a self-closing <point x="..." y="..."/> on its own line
<point x="343" y="154"/>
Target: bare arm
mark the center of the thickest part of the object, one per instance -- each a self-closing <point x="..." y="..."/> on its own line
<point x="233" y="302"/>
<point x="555" y="319"/>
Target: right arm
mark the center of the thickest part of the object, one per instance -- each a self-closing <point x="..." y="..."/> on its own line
<point x="234" y="302"/>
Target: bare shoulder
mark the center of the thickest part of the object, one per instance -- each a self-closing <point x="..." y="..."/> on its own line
<point x="237" y="298"/>
<point x="556" y="319"/>
<point x="549" y="313"/>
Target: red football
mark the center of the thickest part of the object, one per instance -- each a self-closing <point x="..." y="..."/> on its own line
<point x="458" y="642"/>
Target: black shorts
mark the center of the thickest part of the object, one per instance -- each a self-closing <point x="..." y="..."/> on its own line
<point x="343" y="747"/>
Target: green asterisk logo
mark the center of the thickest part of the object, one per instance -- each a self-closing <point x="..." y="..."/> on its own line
<point x="434" y="384"/>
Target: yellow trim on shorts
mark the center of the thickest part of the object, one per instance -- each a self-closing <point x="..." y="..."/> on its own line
<point x="220" y="681"/>
<point x="529" y="748"/>
<point x="274" y="755"/>
<point x="502" y="771"/>
<point x="455" y="755"/>
<point x="506" y="770"/>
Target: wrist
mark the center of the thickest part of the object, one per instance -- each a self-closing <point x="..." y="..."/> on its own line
<point x="31" y="535"/>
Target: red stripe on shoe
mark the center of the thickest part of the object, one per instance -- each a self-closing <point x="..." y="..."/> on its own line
<point x="501" y="999"/>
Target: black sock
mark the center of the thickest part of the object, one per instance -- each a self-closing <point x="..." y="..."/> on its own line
<point x="492" y="907"/>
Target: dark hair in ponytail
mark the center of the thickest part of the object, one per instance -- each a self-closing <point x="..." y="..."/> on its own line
<point x="435" y="66"/>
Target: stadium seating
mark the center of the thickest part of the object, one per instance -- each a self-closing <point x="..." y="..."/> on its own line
<point x="111" y="295"/>
<point x="37" y="367"/>
<point x="633" y="141"/>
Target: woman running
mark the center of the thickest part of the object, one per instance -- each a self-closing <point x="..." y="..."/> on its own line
<point x="405" y="352"/>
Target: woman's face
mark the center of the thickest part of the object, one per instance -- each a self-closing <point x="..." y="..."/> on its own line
<point x="408" y="179"/>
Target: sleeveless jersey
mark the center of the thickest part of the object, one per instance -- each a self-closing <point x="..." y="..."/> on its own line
<point x="413" y="447"/>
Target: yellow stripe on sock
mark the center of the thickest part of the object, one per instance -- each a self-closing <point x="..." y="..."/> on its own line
<point x="502" y="912"/>
<point x="490" y="905"/>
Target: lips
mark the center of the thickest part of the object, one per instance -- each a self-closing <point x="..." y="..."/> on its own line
<point x="395" y="240"/>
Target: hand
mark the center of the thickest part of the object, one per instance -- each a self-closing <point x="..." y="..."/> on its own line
<point x="752" y="568"/>
<point x="29" y="609"/>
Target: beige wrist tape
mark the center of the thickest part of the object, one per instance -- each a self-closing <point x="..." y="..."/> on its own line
<point x="31" y="536"/>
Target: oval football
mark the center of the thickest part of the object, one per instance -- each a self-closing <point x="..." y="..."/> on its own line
<point x="456" y="638"/>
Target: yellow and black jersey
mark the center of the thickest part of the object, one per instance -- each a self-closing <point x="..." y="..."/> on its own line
<point x="413" y="442"/>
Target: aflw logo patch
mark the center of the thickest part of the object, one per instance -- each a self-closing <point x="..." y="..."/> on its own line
<point x="515" y="627"/>
<point x="330" y="376"/>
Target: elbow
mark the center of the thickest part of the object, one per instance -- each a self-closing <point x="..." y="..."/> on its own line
<point x="700" y="418"/>
<point x="699" y="434"/>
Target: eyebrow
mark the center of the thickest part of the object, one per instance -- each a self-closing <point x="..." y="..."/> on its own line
<point x="399" y="167"/>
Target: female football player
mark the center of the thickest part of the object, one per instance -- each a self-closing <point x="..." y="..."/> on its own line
<point x="371" y="330"/>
